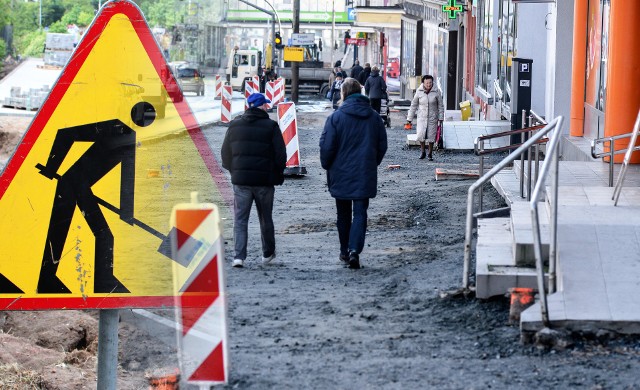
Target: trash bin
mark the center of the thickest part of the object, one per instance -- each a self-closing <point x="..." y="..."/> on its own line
<point x="465" y="110"/>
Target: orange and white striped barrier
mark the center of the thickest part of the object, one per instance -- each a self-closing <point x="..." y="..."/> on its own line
<point x="289" y="127"/>
<point x="197" y="245"/>
<point x="217" y="87"/>
<point x="225" y="106"/>
<point x="271" y="93"/>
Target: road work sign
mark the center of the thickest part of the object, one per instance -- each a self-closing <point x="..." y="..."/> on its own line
<point x="294" y="54"/>
<point x="85" y="199"/>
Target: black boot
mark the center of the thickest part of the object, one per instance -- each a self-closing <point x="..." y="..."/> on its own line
<point x="354" y="260"/>
<point x="423" y="154"/>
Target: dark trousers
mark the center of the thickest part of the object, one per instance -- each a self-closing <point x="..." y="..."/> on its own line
<point x="376" y="104"/>
<point x="352" y="228"/>
<point x="244" y="196"/>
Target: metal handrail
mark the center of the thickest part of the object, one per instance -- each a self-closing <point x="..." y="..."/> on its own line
<point x="554" y="152"/>
<point x="486" y="177"/>
<point x="538" y="119"/>
<point x="479" y="150"/>
<point x="612" y="152"/>
<point x="625" y="163"/>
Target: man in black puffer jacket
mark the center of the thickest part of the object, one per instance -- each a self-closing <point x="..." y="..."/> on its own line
<point x="254" y="152"/>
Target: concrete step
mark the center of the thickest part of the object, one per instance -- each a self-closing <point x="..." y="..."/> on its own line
<point x="507" y="185"/>
<point x="522" y="233"/>
<point x="598" y="266"/>
<point x="496" y="270"/>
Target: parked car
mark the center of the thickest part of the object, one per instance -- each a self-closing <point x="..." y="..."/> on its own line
<point x="393" y="67"/>
<point x="190" y="78"/>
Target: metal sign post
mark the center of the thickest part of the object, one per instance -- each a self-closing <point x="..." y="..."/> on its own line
<point x="108" y="349"/>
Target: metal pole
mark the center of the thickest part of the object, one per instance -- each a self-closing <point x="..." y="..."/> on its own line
<point x="522" y="141"/>
<point x="108" y="349"/>
<point x="333" y="30"/>
<point x="295" y="66"/>
<point x="40" y="15"/>
<point x="611" y="155"/>
<point x="481" y="173"/>
<point x="273" y="45"/>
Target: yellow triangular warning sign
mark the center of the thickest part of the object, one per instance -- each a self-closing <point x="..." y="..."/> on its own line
<point x="85" y="201"/>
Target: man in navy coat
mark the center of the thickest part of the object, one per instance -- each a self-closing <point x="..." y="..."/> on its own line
<point x="352" y="145"/>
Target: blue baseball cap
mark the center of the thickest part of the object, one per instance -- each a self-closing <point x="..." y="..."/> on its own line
<point x="257" y="100"/>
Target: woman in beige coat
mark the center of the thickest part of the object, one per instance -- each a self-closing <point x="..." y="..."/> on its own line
<point x="428" y="103"/>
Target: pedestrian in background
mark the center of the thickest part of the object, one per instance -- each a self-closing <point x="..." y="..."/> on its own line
<point x="375" y="88"/>
<point x="253" y="151"/>
<point x="352" y="145"/>
<point x="356" y="69"/>
<point x="335" y="91"/>
<point x="364" y="75"/>
<point x="427" y="103"/>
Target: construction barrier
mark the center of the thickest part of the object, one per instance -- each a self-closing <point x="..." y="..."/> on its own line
<point x="256" y="83"/>
<point x="281" y="91"/>
<point x="271" y="93"/>
<point x="217" y="87"/>
<point x="225" y="106"/>
<point x="197" y="246"/>
<point x="289" y="127"/>
<point x="248" y="90"/>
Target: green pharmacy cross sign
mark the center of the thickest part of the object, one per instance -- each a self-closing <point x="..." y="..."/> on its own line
<point x="452" y="8"/>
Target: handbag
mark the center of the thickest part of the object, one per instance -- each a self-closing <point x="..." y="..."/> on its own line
<point x="329" y="95"/>
<point x="439" y="140"/>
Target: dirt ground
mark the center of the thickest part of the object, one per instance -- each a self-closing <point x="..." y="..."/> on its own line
<point x="305" y="321"/>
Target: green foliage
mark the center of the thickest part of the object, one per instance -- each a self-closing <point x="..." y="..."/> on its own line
<point x="31" y="44"/>
<point x="80" y="15"/>
<point x="4" y="16"/>
<point x="58" y="27"/>
<point x="3" y="50"/>
<point x="24" y="18"/>
<point x="163" y="13"/>
<point x="85" y="18"/>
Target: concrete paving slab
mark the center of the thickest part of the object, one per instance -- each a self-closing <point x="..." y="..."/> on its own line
<point x="599" y="248"/>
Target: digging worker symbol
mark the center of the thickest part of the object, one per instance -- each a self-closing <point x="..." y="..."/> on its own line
<point x="113" y="143"/>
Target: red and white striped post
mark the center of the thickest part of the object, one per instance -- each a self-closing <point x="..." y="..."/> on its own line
<point x="256" y="83"/>
<point x="271" y="93"/>
<point x="281" y="90"/>
<point x="289" y="127"/>
<point x="225" y="106"/>
<point x="197" y="246"/>
<point x="248" y="90"/>
<point x="217" y="89"/>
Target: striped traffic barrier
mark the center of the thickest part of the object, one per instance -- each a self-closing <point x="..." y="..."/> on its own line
<point x="225" y="106"/>
<point x="197" y="244"/>
<point x="289" y="127"/>
<point x="248" y="90"/>
<point x="217" y="90"/>
<point x="256" y="83"/>
<point x="271" y="93"/>
<point x="280" y="88"/>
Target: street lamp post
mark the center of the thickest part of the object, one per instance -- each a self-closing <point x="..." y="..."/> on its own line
<point x="333" y="29"/>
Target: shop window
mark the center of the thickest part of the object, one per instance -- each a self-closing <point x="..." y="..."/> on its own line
<point x="597" y="48"/>
<point x="507" y="39"/>
<point x="484" y="45"/>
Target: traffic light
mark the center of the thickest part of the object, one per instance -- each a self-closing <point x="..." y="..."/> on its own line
<point x="277" y="40"/>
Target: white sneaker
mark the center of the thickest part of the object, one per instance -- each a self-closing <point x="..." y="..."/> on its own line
<point x="238" y="263"/>
<point x="267" y="260"/>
